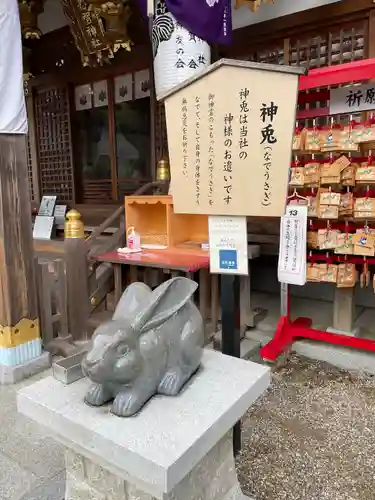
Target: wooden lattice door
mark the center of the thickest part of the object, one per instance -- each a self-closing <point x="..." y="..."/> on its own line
<point x="30" y="169"/>
<point x="54" y="143"/>
<point x="336" y="45"/>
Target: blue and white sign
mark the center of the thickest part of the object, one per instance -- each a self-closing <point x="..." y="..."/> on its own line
<point x="228" y="245"/>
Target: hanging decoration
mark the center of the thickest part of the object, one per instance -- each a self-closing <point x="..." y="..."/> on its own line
<point x="178" y="53"/>
<point x="209" y="20"/>
<point x="26" y="69"/>
<point x="13" y="119"/>
<point x="252" y="4"/>
<point x="99" y="28"/>
<point x="29" y="12"/>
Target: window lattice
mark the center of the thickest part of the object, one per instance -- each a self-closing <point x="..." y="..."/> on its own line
<point x="30" y="170"/>
<point x="337" y="46"/>
<point x="334" y="47"/>
<point x="54" y="144"/>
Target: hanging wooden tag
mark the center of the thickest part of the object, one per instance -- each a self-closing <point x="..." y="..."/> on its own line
<point x="365" y="174"/>
<point x="297" y="177"/>
<point x="348" y="175"/>
<point x="328" y="273"/>
<point x="329" y="198"/>
<point x="364" y="244"/>
<point x="346" y="205"/>
<point x="312" y="174"/>
<point x="312" y="272"/>
<point x="312" y="140"/>
<point x="344" y="244"/>
<point x="346" y="276"/>
<point x="312" y="239"/>
<point x="364" y="208"/>
<point x="312" y="206"/>
<point x="327" y="239"/>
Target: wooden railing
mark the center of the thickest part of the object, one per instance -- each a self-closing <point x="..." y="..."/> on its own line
<point x="103" y="191"/>
<point x="61" y="265"/>
<point x="52" y="299"/>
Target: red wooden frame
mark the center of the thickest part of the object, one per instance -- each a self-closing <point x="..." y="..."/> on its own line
<point x="287" y="331"/>
<point x="355" y="71"/>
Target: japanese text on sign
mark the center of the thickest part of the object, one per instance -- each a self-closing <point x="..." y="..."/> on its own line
<point x="228" y="161"/>
<point x="352" y="99"/>
<point x="184" y="136"/>
<point x="186" y="52"/>
<point x="292" y="255"/>
<point x="211" y="147"/>
<point x="224" y="142"/>
<point x="243" y="142"/>
<point x="267" y="140"/>
<point x="197" y="148"/>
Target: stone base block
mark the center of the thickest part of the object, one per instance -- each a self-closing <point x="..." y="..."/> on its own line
<point x="213" y="478"/>
<point x="16" y="373"/>
<point x="354" y="333"/>
<point x="176" y="448"/>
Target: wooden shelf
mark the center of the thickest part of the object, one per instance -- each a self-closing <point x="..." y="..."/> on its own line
<point x="154" y="219"/>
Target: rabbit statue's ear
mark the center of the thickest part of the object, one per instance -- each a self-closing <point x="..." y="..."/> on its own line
<point x="164" y="302"/>
<point x="131" y="300"/>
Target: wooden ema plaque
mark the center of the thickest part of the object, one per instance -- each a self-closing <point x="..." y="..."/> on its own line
<point x="230" y="132"/>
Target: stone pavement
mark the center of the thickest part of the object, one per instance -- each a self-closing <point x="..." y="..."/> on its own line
<point x="31" y="463"/>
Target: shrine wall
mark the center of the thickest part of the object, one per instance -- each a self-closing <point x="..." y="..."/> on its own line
<point x="244" y="17"/>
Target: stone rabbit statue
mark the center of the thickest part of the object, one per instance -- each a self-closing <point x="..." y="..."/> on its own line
<point x="153" y="344"/>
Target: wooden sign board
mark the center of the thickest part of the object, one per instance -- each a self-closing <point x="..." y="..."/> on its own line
<point x="352" y="100"/>
<point x="86" y="26"/>
<point x="230" y="132"/>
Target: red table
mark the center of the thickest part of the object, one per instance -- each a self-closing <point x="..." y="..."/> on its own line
<point x="176" y="260"/>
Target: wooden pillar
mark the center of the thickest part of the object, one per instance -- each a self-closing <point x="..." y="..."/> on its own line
<point x="19" y="324"/>
<point x="77" y="275"/>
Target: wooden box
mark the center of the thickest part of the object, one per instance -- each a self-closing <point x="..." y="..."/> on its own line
<point x="154" y="219"/>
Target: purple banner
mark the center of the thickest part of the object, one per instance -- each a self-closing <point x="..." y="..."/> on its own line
<point x="210" y="20"/>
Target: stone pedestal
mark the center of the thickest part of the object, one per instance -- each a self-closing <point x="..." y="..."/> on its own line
<point x="177" y="448"/>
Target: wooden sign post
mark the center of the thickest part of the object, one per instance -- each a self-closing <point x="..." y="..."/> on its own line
<point x="20" y="342"/>
<point x="230" y="132"/>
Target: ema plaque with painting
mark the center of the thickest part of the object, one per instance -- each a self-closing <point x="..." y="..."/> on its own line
<point x="230" y="132"/>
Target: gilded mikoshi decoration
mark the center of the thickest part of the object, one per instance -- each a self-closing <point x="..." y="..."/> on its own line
<point x="252" y="4"/>
<point x="29" y="12"/>
<point x="26" y="69"/>
<point x="99" y="28"/>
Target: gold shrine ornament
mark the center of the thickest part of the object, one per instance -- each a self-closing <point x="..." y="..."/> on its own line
<point x="252" y="4"/>
<point x="74" y="227"/>
<point x="163" y="172"/>
<point x="29" y="11"/>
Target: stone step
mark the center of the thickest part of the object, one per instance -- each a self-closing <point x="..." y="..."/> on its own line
<point x="249" y="349"/>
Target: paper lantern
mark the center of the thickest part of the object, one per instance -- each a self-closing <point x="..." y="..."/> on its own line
<point x="178" y="54"/>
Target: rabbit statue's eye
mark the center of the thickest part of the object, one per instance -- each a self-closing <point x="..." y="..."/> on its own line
<point x="122" y="349"/>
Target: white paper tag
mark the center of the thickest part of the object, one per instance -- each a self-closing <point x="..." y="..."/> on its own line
<point x="292" y="253"/>
<point x="43" y="227"/>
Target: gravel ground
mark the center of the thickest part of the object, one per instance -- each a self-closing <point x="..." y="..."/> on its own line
<point x="311" y="436"/>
